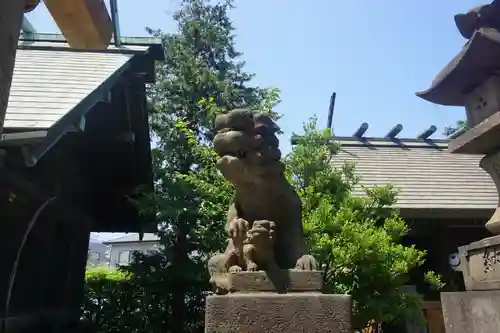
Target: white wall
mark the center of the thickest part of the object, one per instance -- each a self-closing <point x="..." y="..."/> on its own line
<point x="97" y="254"/>
<point x="124" y="250"/>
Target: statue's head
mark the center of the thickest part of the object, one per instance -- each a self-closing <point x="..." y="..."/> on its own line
<point x="247" y="145"/>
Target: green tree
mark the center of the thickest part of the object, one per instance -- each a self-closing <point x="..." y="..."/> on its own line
<point x="357" y="239"/>
<point x="458" y="125"/>
<point x="201" y="69"/>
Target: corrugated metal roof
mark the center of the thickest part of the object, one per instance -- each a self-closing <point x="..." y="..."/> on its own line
<point x="50" y="79"/>
<point x="133" y="237"/>
<point x="427" y="176"/>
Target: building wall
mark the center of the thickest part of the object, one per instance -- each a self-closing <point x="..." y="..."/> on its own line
<point x="97" y="255"/>
<point x="120" y="254"/>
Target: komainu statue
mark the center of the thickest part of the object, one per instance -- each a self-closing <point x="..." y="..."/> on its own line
<point x="264" y="224"/>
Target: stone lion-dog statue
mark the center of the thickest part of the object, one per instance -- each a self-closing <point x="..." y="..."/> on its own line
<point x="264" y="224"/>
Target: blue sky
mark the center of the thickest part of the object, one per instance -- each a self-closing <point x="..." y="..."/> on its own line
<point x="374" y="54"/>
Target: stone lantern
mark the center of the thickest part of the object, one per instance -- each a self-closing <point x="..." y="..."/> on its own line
<point x="472" y="80"/>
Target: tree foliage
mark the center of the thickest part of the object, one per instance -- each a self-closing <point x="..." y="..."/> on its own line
<point x="106" y="299"/>
<point x="358" y="239"/>
<point x="201" y="69"/>
<point x="448" y="130"/>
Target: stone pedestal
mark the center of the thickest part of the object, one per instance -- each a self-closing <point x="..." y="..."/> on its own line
<point x="287" y="301"/>
<point x="480" y="264"/>
<point x="478" y="309"/>
<point x="471" y="311"/>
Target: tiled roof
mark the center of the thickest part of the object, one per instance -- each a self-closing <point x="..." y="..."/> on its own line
<point x="133" y="237"/>
<point x="50" y="79"/>
<point x="427" y="176"/>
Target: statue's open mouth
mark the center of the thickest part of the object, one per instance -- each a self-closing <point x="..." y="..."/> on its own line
<point x="238" y="154"/>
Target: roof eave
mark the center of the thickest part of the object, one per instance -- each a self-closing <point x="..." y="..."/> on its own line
<point x="59" y="38"/>
<point x="446" y="213"/>
<point x="70" y="121"/>
<point x="111" y="242"/>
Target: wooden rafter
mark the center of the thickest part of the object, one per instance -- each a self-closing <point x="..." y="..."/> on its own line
<point x="86" y="24"/>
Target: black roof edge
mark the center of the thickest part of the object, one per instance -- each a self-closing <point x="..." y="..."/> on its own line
<point x="59" y="38"/>
<point x="68" y="49"/>
<point x="154" y="45"/>
<point x="111" y="242"/>
<point x="22" y="138"/>
<point x="446" y="213"/>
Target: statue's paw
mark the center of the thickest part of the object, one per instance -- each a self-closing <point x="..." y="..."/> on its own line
<point x="307" y="263"/>
<point x="252" y="267"/>
<point x="235" y="269"/>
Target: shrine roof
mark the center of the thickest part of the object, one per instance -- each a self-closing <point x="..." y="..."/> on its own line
<point x="82" y="115"/>
<point x="51" y="79"/>
<point x="133" y="238"/>
<point x="426" y="174"/>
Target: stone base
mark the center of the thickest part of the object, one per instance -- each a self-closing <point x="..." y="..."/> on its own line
<point x="278" y="313"/>
<point x="480" y="264"/>
<point x="281" y="281"/>
<point x="471" y="311"/>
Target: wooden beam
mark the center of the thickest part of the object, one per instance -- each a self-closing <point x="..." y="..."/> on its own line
<point x="86" y="24"/>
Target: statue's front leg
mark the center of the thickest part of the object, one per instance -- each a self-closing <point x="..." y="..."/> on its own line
<point x="237" y="229"/>
<point x="298" y="256"/>
<point x="218" y="273"/>
<point x="249" y="258"/>
<point x="233" y="261"/>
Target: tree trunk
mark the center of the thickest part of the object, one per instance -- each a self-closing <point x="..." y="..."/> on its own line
<point x="11" y="19"/>
<point x="179" y="291"/>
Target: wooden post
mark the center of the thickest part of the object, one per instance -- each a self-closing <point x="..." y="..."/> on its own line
<point x="434" y="315"/>
<point x="11" y="19"/>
